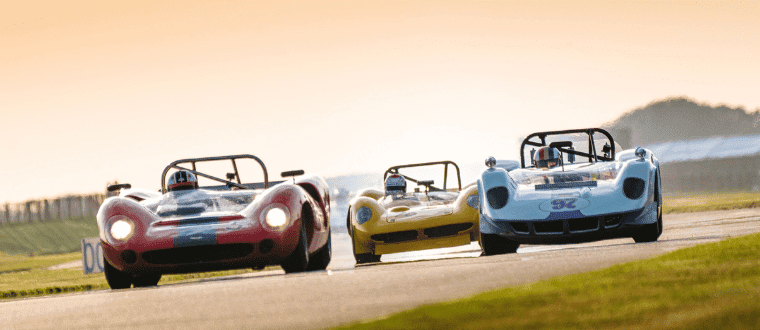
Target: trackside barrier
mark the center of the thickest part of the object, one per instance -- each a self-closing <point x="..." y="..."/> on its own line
<point x="92" y="255"/>
<point x="43" y="210"/>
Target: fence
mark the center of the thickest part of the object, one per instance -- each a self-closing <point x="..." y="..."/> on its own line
<point x="41" y="210"/>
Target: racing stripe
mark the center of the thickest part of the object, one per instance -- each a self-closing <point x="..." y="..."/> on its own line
<point x="194" y="235"/>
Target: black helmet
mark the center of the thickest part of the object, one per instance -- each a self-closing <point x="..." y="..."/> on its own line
<point x="182" y="180"/>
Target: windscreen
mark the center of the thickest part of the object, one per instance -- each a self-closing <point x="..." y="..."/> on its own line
<point x="200" y="202"/>
<point x="571" y="174"/>
<point x="578" y="142"/>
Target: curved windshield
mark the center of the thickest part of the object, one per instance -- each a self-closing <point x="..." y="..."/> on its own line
<point x="583" y="173"/>
<point x="200" y="201"/>
<point x="413" y="199"/>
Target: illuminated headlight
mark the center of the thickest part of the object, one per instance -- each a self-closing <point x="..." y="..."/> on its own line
<point x="473" y="201"/>
<point x="122" y="229"/>
<point x="363" y="215"/>
<point x="276" y="217"/>
<point x="609" y="172"/>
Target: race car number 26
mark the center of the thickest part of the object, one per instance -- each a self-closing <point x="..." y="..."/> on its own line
<point x="559" y="204"/>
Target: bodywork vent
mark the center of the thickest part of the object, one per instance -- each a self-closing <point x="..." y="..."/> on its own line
<point x="447" y="230"/>
<point x="520" y="227"/>
<point x="546" y="227"/>
<point x="583" y="224"/>
<point x="396" y="237"/>
<point x="196" y="254"/>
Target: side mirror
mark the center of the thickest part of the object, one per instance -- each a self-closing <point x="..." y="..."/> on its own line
<point x="292" y="173"/>
<point x="120" y="186"/>
<point x="571" y="157"/>
<point x="426" y="183"/>
<point x="230" y="176"/>
<point x="606" y="150"/>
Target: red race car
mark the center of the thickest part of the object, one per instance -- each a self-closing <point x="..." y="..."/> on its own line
<point x="190" y="228"/>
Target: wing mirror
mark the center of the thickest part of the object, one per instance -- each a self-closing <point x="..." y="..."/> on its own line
<point x="293" y="173"/>
<point x="119" y="186"/>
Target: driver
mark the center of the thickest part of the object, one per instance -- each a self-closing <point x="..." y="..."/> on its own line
<point x="182" y="180"/>
<point x="547" y="158"/>
<point x="395" y="184"/>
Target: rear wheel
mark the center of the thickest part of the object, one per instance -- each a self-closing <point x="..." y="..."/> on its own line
<point x="299" y="259"/>
<point x="146" y="280"/>
<point x="493" y="244"/>
<point x="321" y="259"/>
<point x="116" y="279"/>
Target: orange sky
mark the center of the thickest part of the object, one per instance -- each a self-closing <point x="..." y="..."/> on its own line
<point x="91" y="92"/>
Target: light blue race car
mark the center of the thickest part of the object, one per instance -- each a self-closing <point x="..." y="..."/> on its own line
<point x="577" y="186"/>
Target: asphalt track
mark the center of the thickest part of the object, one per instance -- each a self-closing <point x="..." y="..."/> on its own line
<point x="344" y="293"/>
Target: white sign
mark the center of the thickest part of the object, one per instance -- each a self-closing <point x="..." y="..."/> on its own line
<point x="92" y="255"/>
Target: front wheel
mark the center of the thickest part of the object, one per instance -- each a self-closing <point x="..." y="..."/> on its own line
<point x="146" y="280"/>
<point x="364" y="258"/>
<point x="652" y="232"/>
<point x="299" y="259"/>
<point x="321" y="259"/>
<point x="116" y="279"/>
<point x="493" y="244"/>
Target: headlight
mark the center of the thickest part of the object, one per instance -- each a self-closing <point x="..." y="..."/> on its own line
<point x="122" y="229"/>
<point x="609" y="172"/>
<point x="276" y="217"/>
<point x="473" y="201"/>
<point x="363" y="215"/>
<point x="497" y="197"/>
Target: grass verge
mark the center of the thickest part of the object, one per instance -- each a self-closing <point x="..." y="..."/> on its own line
<point x="23" y="276"/>
<point x="706" y="201"/>
<point x="50" y="237"/>
<point x="710" y="286"/>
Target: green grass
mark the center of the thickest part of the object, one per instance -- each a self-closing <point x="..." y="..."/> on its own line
<point x="708" y="201"/>
<point x="23" y="276"/>
<point x="710" y="286"/>
<point x="42" y="238"/>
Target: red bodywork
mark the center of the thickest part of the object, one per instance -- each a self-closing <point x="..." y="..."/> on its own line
<point x="216" y="240"/>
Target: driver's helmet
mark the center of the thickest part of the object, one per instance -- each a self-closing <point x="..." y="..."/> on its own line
<point x="395" y="184"/>
<point x="182" y="180"/>
<point x="547" y="157"/>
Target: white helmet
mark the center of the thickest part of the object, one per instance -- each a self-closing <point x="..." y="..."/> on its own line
<point x="395" y="184"/>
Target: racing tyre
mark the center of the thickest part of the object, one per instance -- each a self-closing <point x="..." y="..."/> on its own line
<point x="651" y="232"/>
<point x="146" y="280"/>
<point x="364" y="258"/>
<point x="321" y="259"/>
<point x="299" y="259"/>
<point x="648" y="233"/>
<point x="361" y="258"/>
<point x="116" y="279"/>
<point x="493" y="244"/>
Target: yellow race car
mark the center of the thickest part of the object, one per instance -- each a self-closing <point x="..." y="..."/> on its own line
<point x="428" y="217"/>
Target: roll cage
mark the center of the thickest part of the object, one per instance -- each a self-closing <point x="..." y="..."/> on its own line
<point x="228" y="183"/>
<point x="429" y="184"/>
<point x="562" y="145"/>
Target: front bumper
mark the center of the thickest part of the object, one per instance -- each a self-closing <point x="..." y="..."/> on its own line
<point x="571" y="227"/>
<point x="170" y="255"/>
